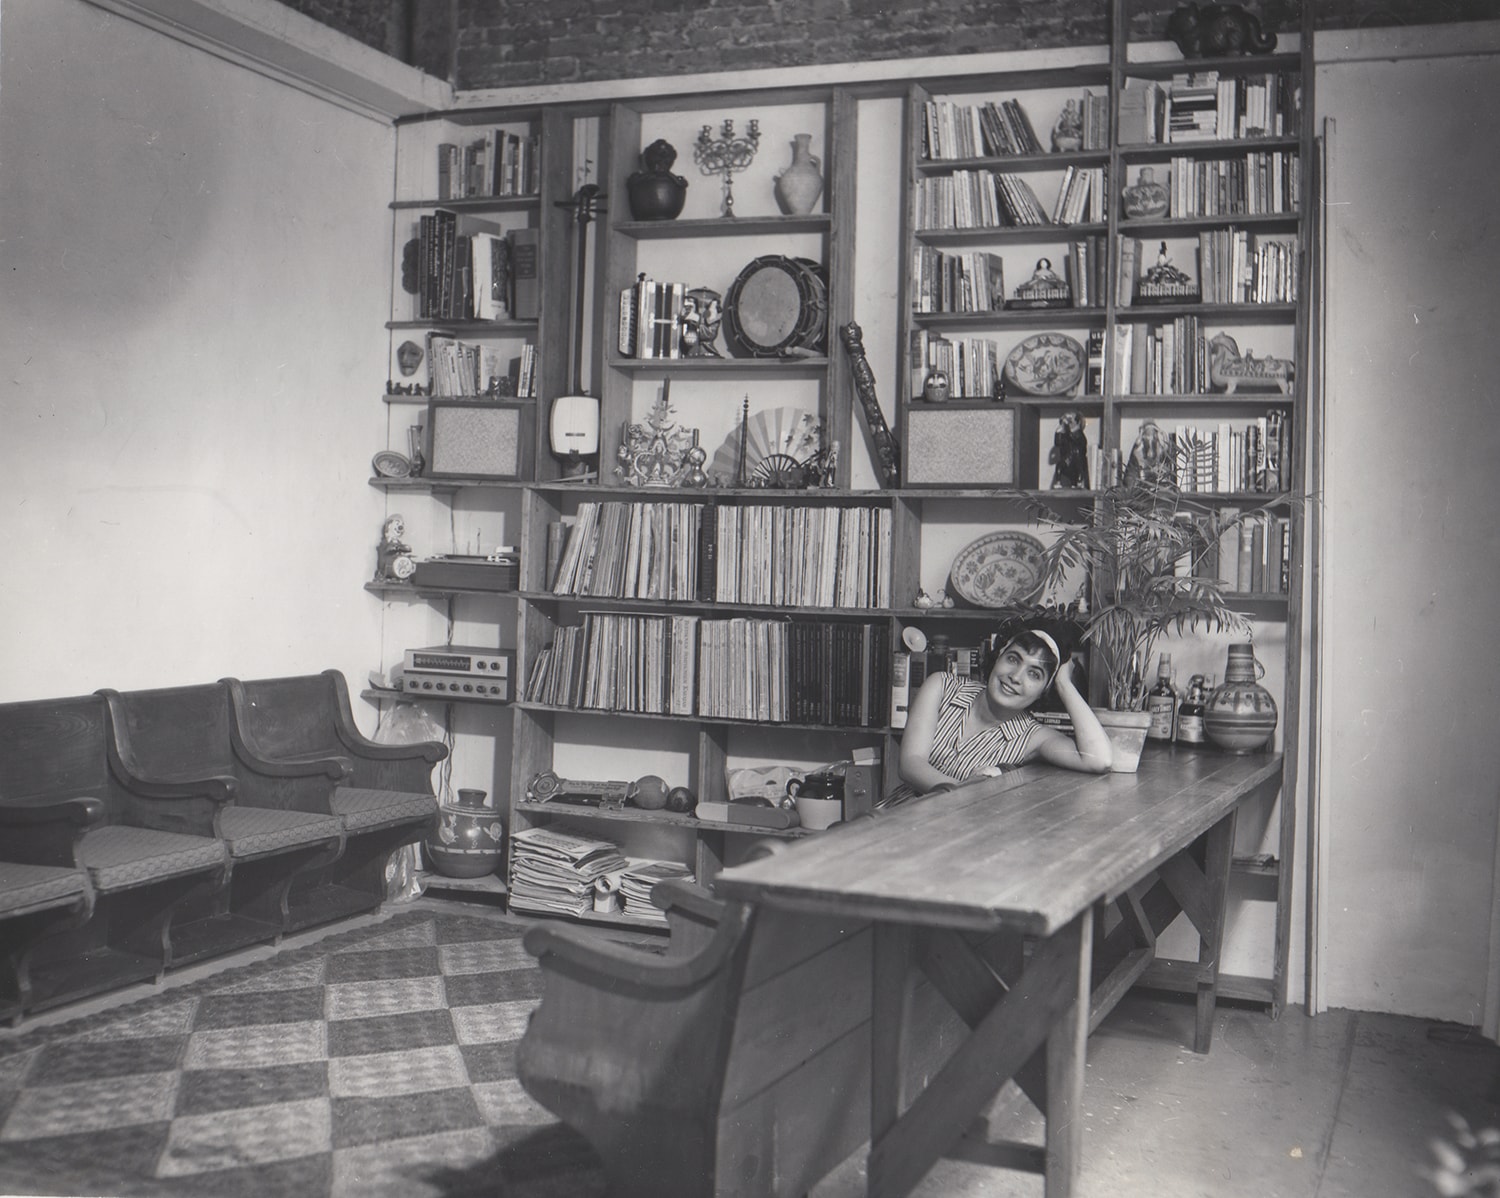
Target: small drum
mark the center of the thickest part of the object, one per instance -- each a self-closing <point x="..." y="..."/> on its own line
<point x="777" y="305"/>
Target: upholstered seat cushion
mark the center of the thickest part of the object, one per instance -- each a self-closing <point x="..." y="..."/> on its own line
<point x="119" y="857"/>
<point x="363" y="810"/>
<point x="27" y="888"/>
<point x="251" y="831"/>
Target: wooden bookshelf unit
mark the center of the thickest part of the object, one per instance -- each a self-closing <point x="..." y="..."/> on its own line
<point x="1022" y="271"/>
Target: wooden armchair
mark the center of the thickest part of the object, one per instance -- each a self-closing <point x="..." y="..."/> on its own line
<point x="95" y="880"/>
<point x="736" y="1063"/>
<point x="274" y="818"/>
<point x="386" y="797"/>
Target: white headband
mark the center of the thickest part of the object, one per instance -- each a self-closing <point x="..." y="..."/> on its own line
<point x="1048" y="641"/>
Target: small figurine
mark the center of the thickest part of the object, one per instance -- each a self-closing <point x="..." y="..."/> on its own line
<point x="1151" y="461"/>
<point x="1067" y="134"/>
<point x="935" y="388"/>
<point x="1164" y="272"/>
<point x="923" y="599"/>
<point x="393" y="560"/>
<point x="703" y="313"/>
<point x="1069" y="455"/>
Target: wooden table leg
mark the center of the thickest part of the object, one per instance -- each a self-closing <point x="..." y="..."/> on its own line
<point x="891" y="955"/>
<point x="1050" y="997"/>
<point x="1218" y="858"/>
<point x="1065" y="1071"/>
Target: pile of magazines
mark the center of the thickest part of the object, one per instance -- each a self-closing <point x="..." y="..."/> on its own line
<point x="554" y="873"/>
<point x="638" y="879"/>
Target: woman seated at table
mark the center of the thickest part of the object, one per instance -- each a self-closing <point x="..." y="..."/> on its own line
<point x="960" y="729"/>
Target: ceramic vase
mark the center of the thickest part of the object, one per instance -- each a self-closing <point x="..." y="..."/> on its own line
<point x="1240" y="715"/>
<point x="655" y="192"/>
<point x="469" y="838"/>
<point x="1145" y="198"/>
<point x="799" y="186"/>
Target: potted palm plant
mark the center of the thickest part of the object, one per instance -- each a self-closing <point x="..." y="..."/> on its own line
<point x="1131" y="550"/>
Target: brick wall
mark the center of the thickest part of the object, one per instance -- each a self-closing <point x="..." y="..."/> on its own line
<point x="508" y="43"/>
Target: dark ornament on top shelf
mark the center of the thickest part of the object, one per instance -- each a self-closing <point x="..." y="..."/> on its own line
<point x="655" y="192"/>
<point x="1218" y="30"/>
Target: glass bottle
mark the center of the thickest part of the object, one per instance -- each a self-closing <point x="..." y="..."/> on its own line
<point x="1161" y="702"/>
<point x="1190" y="714"/>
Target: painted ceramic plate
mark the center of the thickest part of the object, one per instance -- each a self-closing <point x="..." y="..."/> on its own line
<point x="1045" y="364"/>
<point x="998" y="568"/>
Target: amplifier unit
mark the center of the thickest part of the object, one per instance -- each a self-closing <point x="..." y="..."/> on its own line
<point x="494" y="687"/>
<point x="470" y="661"/>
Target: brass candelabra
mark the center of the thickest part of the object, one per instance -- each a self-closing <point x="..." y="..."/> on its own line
<point x="725" y="154"/>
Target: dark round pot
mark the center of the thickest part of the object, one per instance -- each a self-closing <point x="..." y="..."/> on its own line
<point x="656" y="195"/>
<point x="469" y="838"/>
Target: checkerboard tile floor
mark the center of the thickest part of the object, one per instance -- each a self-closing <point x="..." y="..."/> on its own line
<point x="385" y="1067"/>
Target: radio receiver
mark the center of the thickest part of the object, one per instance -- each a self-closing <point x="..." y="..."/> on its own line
<point x="459" y="671"/>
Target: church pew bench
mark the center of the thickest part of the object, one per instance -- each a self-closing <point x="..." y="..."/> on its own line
<point x="273" y="818"/>
<point x="138" y="867"/>
<point x="386" y="798"/>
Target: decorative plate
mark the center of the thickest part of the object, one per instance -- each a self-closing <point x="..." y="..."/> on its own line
<point x="390" y="464"/>
<point x="1045" y="364"/>
<point x="998" y="568"/>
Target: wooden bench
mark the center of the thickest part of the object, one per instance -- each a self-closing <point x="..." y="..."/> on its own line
<point x="725" y="1067"/>
<point x="94" y="878"/>
<point x="277" y="817"/>
<point x="385" y="797"/>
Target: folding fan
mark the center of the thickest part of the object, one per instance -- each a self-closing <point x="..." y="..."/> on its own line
<point x="778" y="442"/>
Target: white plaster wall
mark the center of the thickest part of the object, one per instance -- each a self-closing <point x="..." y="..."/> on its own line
<point x="1411" y="691"/>
<point x="194" y="263"/>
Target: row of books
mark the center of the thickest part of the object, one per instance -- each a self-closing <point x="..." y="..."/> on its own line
<point x="468" y="268"/>
<point x="1249" y="554"/>
<point x="998" y="200"/>
<point x="651" y="319"/>
<point x="970" y="281"/>
<point x="778" y="555"/>
<point x="954" y="131"/>
<point x="456" y="367"/>
<point x="740" y="668"/>
<point x="1254" y="458"/>
<point x="1234" y="267"/>
<point x="561" y="873"/>
<point x="1171" y="358"/>
<point x="621" y="550"/>
<point x="1207" y="106"/>
<point x="836" y="557"/>
<point x="1259" y="183"/>
<point x="500" y="163"/>
<point x="972" y="364"/>
<point x="1080" y="197"/>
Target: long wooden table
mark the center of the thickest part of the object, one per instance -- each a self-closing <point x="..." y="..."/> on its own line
<point x="1032" y="902"/>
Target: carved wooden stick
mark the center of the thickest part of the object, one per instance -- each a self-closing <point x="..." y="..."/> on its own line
<point x="883" y="442"/>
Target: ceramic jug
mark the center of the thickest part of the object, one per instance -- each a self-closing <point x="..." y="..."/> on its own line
<point x="1240" y="715"/>
<point x="799" y="186"/>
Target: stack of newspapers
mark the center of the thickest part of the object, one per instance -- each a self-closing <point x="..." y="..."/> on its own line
<point x="555" y="873"/>
<point x="636" y="883"/>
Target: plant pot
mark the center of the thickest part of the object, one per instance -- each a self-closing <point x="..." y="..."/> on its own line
<point x="468" y="840"/>
<point x="1127" y="737"/>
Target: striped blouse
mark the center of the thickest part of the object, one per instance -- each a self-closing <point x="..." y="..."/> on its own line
<point x="958" y="756"/>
